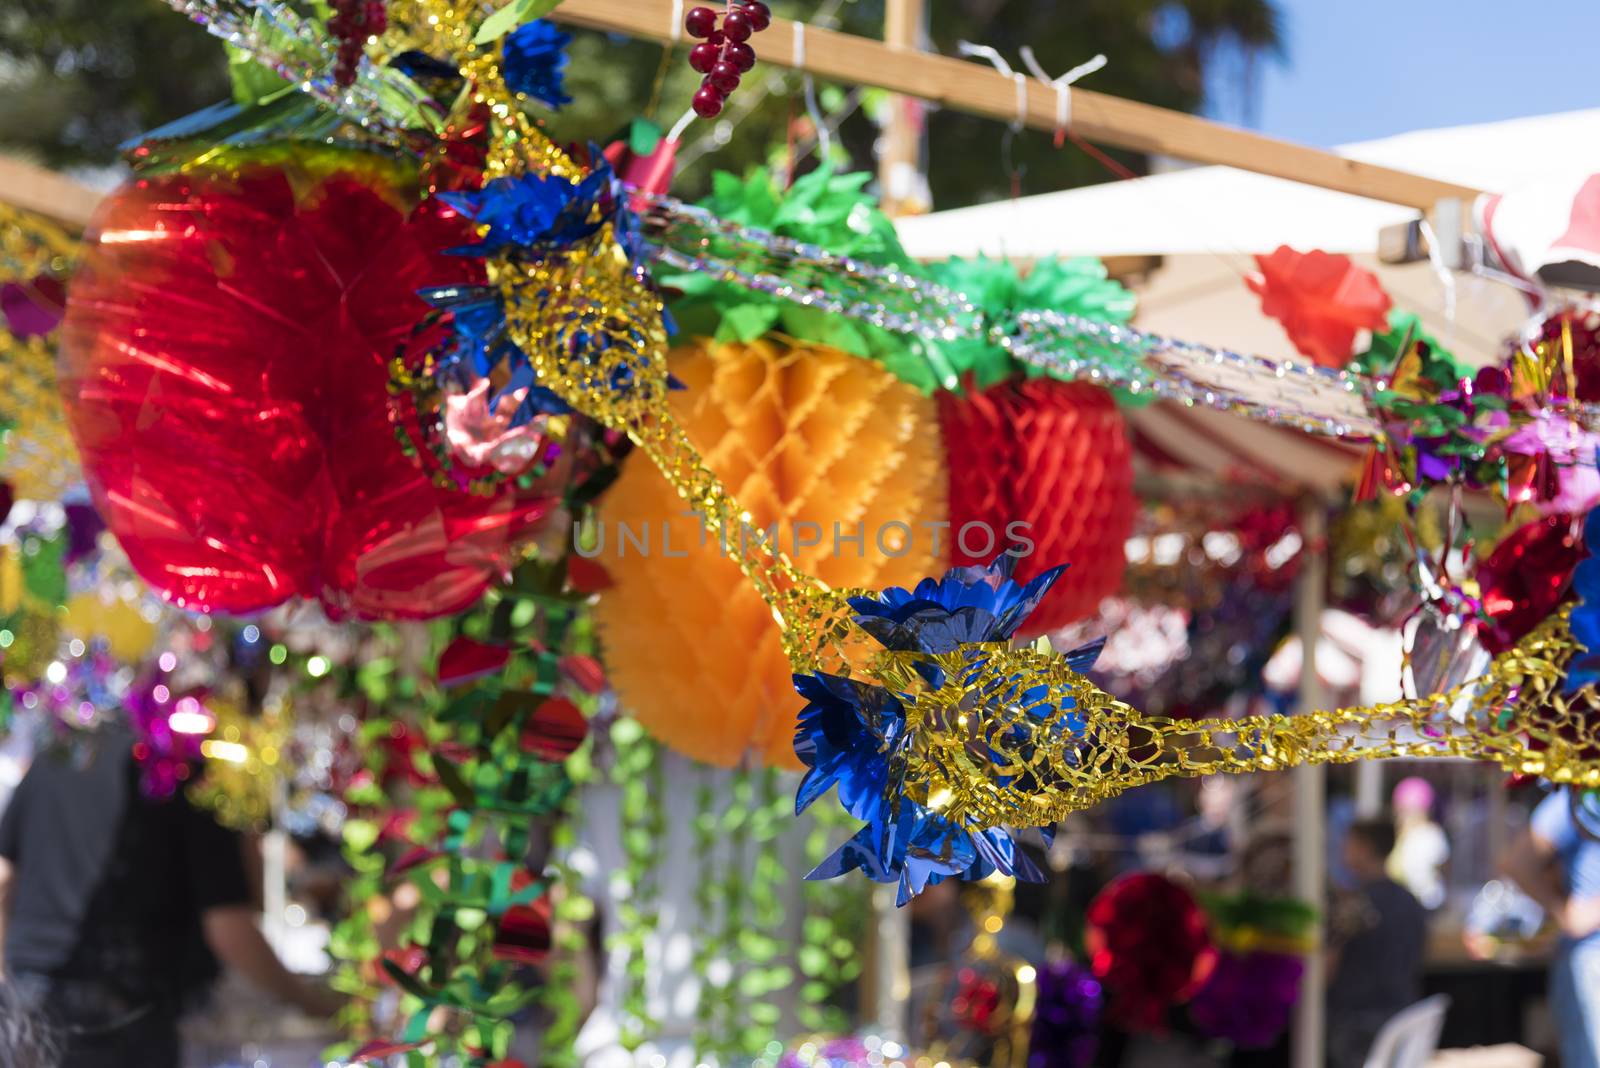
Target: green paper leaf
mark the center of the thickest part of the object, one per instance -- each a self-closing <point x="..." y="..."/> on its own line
<point x="251" y="82"/>
<point x="451" y="779"/>
<point x="745" y="323"/>
<point x="406" y="981"/>
<point x="644" y="137"/>
<point x="360" y="835"/>
<point x="510" y="17"/>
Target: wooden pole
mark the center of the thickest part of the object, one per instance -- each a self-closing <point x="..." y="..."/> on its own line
<point x="979" y="90"/>
<point x="1310" y="790"/>
<point x="31" y="188"/>
<point x="900" y="161"/>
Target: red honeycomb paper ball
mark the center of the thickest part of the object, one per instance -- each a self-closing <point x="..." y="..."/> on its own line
<point x="1053" y="455"/>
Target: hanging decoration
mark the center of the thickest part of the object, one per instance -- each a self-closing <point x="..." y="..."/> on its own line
<point x="223" y="362"/>
<point x="1046" y="465"/>
<point x="37" y="460"/>
<point x="837" y="465"/>
<point x="1047" y="459"/>
<point x="1066" y="1017"/>
<point x="824" y="447"/>
<point x="1148" y="944"/>
<point x="568" y="257"/>
<point x="490" y="775"/>
<point x="1249" y="997"/>
<point x="1322" y="300"/>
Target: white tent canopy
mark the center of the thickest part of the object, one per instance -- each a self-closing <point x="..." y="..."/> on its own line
<point x="1220" y="209"/>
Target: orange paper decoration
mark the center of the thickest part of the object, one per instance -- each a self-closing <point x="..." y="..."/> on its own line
<point x="825" y="445"/>
<point x="1322" y="300"/>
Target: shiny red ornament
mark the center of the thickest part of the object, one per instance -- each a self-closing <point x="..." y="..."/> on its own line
<point x="700" y="22"/>
<point x="703" y="56"/>
<point x="224" y="366"/>
<point x="737" y="25"/>
<point x="1582" y="329"/>
<point x="708" y="101"/>
<point x="741" y="55"/>
<point x="1148" y="944"/>
<point x="1525" y="579"/>
<point x="1322" y="300"/>
<point x="1048" y="462"/>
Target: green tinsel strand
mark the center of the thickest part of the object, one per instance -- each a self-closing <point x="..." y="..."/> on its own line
<point x="707" y="901"/>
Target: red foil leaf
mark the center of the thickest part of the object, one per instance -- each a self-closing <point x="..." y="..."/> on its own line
<point x="466" y="659"/>
<point x="585" y="672"/>
<point x="555" y="730"/>
<point x="523" y="934"/>
<point x="586" y="576"/>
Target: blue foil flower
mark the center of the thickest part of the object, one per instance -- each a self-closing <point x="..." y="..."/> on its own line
<point x="480" y="344"/>
<point x="535" y="60"/>
<point x="537" y="213"/>
<point x="970" y="604"/>
<point x="854" y="735"/>
<point x="1585" y="620"/>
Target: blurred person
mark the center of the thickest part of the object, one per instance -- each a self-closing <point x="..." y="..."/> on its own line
<point x="110" y="902"/>
<point x="1376" y="938"/>
<point x="25" y="1040"/>
<point x="1556" y="861"/>
<point x="1421" y="848"/>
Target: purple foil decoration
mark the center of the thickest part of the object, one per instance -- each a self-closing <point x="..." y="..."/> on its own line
<point x="1066" y="1018"/>
<point x="33" y="309"/>
<point x="1248" y="998"/>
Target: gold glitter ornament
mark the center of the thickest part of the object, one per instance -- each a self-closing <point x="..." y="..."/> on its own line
<point x="38" y="458"/>
<point x="243" y="763"/>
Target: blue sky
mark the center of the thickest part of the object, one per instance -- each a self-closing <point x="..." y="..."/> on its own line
<point x="1359" y="69"/>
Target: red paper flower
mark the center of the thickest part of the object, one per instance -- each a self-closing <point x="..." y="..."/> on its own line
<point x="1049" y="461"/>
<point x="1322" y="300"/>
<point x="1149" y="945"/>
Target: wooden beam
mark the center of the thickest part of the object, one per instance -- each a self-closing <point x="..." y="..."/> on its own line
<point x="901" y="155"/>
<point x="979" y="90"/>
<point x="31" y="188"/>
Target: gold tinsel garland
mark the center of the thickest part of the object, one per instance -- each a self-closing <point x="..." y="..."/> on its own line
<point x="39" y="460"/>
<point x="1012" y="737"/>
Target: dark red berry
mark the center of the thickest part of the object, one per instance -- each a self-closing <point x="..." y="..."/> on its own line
<point x="718" y="38"/>
<point x="700" y="22"/>
<point x="708" y="102"/>
<point x="703" y="56"/>
<point x="725" y="76"/>
<point x="736" y="24"/>
<point x="760" y="14"/>
<point x="740" y="55"/>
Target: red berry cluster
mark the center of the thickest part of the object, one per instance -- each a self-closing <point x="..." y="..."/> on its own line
<point x="352" y="22"/>
<point x="724" y="53"/>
